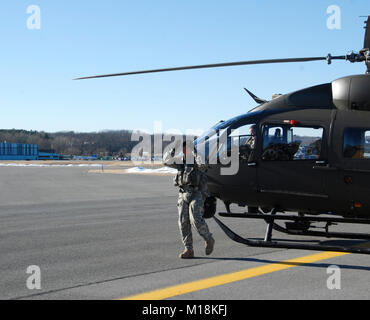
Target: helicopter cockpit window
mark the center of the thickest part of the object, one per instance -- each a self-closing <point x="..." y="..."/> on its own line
<point x="357" y="143"/>
<point x="287" y="143"/>
<point x="245" y="138"/>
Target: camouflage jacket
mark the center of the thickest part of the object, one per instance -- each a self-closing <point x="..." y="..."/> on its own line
<point x="189" y="177"/>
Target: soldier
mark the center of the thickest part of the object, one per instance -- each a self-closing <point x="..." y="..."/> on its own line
<point x="251" y="142"/>
<point x="192" y="192"/>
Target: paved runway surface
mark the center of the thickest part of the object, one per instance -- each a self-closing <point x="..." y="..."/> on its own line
<point x="104" y="236"/>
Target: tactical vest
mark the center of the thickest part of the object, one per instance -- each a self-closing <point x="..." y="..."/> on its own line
<point x="188" y="177"/>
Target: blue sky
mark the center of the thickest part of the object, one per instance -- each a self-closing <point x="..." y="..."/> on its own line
<point x="81" y="38"/>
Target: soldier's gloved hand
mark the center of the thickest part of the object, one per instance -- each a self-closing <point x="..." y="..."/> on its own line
<point x="171" y="160"/>
<point x="167" y="157"/>
<point x="201" y="163"/>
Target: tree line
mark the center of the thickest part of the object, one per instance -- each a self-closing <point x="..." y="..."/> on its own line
<point x="105" y="143"/>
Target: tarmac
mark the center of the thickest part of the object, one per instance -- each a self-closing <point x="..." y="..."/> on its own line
<point x="115" y="236"/>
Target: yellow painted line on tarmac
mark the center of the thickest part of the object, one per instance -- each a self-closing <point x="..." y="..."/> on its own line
<point x="181" y="289"/>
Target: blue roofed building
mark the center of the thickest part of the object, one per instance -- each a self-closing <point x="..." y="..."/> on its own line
<point x="18" y="151"/>
<point x="22" y="151"/>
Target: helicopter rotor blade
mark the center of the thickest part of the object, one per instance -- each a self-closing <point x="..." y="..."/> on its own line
<point x="218" y="65"/>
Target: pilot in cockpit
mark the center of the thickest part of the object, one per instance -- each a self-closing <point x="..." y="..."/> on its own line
<point x="251" y="142"/>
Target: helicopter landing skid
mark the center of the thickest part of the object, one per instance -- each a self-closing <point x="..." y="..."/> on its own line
<point x="271" y="225"/>
<point x="301" y="224"/>
<point x="326" y="234"/>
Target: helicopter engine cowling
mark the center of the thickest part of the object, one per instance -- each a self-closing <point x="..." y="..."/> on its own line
<point x="352" y="93"/>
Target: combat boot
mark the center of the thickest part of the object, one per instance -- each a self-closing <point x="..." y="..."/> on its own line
<point x="187" y="254"/>
<point x="209" y="246"/>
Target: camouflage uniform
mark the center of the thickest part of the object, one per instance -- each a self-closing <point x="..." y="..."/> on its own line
<point x="251" y="142"/>
<point x="192" y="184"/>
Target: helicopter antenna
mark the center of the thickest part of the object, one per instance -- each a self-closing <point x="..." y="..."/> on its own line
<point x="366" y="49"/>
<point x="255" y="98"/>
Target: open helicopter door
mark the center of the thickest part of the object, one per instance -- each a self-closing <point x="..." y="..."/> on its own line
<point x="291" y="150"/>
<point x="351" y="162"/>
<point x="242" y="183"/>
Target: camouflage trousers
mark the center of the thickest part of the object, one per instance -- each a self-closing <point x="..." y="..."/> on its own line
<point x="191" y="208"/>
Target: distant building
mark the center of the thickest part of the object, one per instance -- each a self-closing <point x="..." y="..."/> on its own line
<point x="18" y="151"/>
<point x="93" y="157"/>
<point x="49" y="156"/>
<point x="21" y="151"/>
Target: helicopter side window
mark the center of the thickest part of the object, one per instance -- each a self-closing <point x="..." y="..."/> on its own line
<point x="356" y="143"/>
<point x="287" y="143"/>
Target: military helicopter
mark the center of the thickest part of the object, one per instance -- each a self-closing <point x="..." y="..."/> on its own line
<point x="310" y="154"/>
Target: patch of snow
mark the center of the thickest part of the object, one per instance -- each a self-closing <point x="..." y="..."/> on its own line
<point x="148" y="171"/>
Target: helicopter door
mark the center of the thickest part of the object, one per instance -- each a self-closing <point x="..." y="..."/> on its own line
<point x="286" y="174"/>
<point x="352" y="143"/>
<point x="243" y="184"/>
